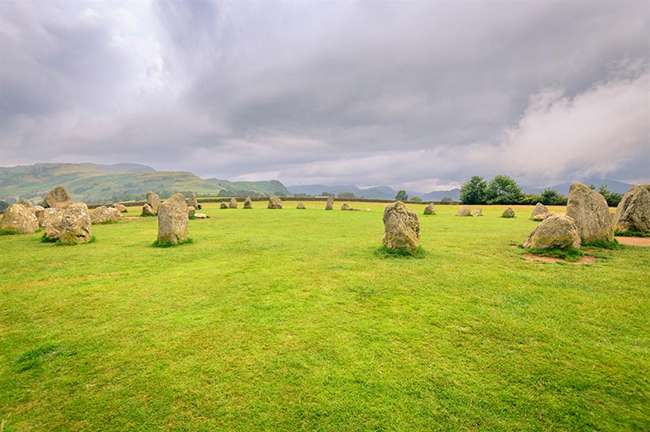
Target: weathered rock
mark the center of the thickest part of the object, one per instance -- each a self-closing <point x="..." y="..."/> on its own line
<point x="27" y="203"/>
<point x="275" y="203"/>
<point x="478" y="212"/>
<point x="539" y="212"/>
<point x="76" y="225"/>
<point x="300" y="206"/>
<point x="57" y="198"/>
<point x="463" y="211"/>
<point x="430" y="209"/>
<point x="191" y="212"/>
<point x="120" y="207"/>
<point x="19" y="219"/>
<point x="248" y="203"/>
<point x="345" y="206"/>
<point x="223" y="205"/>
<point x="200" y="216"/>
<point x="105" y="215"/>
<point x="193" y="201"/>
<point x="633" y="212"/>
<point x="39" y="212"/>
<point x="52" y="218"/>
<point x="154" y="201"/>
<point x="330" y="204"/>
<point x="147" y="210"/>
<point x="508" y="213"/>
<point x="401" y="227"/>
<point x="590" y="211"/>
<point x="556" y="231"/>
<point x="233" y="203"/>
<point x="173" y="220"/>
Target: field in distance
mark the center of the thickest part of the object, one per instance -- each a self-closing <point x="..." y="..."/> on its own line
<point x="290" y="320"/>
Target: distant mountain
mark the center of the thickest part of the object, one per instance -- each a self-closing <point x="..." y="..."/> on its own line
<point x="377" y="192"/>
<point x="454" y="194"/>
<point x="258" y="188"/>
<point x="121" y="168"/>
<point x="563" y="188"/>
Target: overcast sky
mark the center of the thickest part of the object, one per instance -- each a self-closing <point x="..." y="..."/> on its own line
<point x="410" y="94"/>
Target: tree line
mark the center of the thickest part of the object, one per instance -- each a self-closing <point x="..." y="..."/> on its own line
<point x="505" y="190"/>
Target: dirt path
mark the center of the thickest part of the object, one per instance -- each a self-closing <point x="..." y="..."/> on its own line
<point x="539" y="259"/>
<point x="634" y="241"/>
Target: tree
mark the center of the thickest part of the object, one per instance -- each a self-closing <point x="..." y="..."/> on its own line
<point x="473" y="191"/>
<point x="447" y="200"/>
<point x="346" y="195"/>
<point x="4" y="205"/>
<point x="552" y="197"/>
<point x="612" y="198"/>
<point x="329" y="194"/>
<point x="503" y="190"/>
<point x="416" y="199"/>
<point x="401" y="196"/>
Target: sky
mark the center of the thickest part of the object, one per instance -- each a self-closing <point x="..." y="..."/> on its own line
<point x="418" y="95"/>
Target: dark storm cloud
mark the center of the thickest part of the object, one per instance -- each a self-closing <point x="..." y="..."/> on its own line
<point x="419" y="94"/>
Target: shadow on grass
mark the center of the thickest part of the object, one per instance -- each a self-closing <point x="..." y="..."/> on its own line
<point x="168" y="244"/>
<point x="384" y="252"/>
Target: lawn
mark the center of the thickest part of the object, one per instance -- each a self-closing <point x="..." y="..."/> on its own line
<point x="290" y="320"/>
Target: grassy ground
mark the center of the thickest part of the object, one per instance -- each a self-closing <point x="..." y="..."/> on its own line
<point x="289" y="320"/>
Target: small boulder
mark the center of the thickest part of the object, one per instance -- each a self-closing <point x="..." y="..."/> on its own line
<point x="248" y="203"/>
<point x="27" y="203"/>
<point x="193" y="201"/>
<point x="19" y="219"/>
<point x="508" y="213"/>
<point x="154" y="201"/>
<point x="478" y="212"/>
<point x="57" y="198"/>
<point x="539" y="212"/>
<point x="633" y="212"/>
<point x="173" y="220"/>
<point x="147" y="210"/>
<point x="463" y="211"/>
<point x="430" y="209"/>
<point x="401" y="228"/>
<point x="76" y="225"/>
<point x="330" y="204"/>
<point x="191" y="212"/>
<point x="233" y="203"/>
<point x="120" y="207"/>
<point x="344" y="206"/>
<point x="52" y="218"/>
<point x="556" y="231"/>
<point x="300" y="206"/>
<point x="105" y="215"/>
<point x="200" y="216"/>
<point x="223" y="205"/>
<point x="591" y="213"/>
<point x="275" y="203"/>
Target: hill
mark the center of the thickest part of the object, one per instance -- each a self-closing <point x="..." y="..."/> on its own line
<point x="377" y="192"/>
<point x="257" y="188"/>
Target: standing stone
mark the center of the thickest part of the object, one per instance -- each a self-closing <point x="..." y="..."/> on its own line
<point x="233" y="203"/>
<point x="478" y="212"/>
<point x="330" y="204"/>
<point x="121" y="207"/>
<point x="633" y="212"/>
<point x="401" y="228"/>
<point x="39" y="213"/>
<point x="57" y="198"/>
<point x="191" y="212"/>
<point x="430" y="209"/>
<point x="27" y="203"/>
<point x="248" y="203"/>
<point x="590" y="211"/>
<point x="275" y="203"/>
<point x="105" y="215"/>
<point x="556" y="231"/>
<point x="154" y="201"/>
<point x="223" y="205"/>
<point x="300" y="206"/>
<point x="147" y="210"/>
<point x="52" y="218"/>
<point x="173" y="220"/>
<point x="19" y="219"/>
<point x="508" y="213"/>
<point x="463" y="211"/>
<point x="539" y="212"/>
<point x="76" y="225"/>
<point x="193" y="201"/>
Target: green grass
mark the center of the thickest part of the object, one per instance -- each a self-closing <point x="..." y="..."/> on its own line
<point x="631" y="233"/>
<point x="602" y="244"/>
<point x="169" y="244"/>
<point x="571" y="254"/>
<point x="383" y="251"/>
<point x="290" y="321"/>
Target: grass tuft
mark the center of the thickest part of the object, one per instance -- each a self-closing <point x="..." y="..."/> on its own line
<point x="631" y="234"/>
<point x="58" y="242"/>
<point x="167" y="245"/>
<point x="571" y="254"/>
<point x="385" y="252"/>
<point x="45" y="239"/>
<point x="603" y="244"/>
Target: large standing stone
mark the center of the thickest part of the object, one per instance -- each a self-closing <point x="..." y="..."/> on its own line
<point x="478" y="212"/>
<point x="330" y="204"/>
<point x="275" y="203"/>
<point x="556" y="231"/>
<point x="173" y="220"/>
<point x="300" y="206"/>
<point x="193" y="201"/>
<point x="463" y="211"/>
<point x="105" y="215"/>
<point x="539" y="212"/>
<point x="430" y="209"/>
<point x="76" y="225"/>
<point x="121" y="207"/>
<point x="57" y="198"/>
<point x="147" y="210"/>
<point x="19" y="219"/>
<point x="233" y="203"/>
<point x="633" y="212"/>
<point x="508" y="213"/>
<point x="154" y="201"/>
<point x="401" y="227"/>
<point x="248" y="203"/>
<point x="590" y="211"/>
<point x="52" y="218"/>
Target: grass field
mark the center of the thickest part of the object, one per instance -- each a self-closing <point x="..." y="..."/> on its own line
<point x="290" y="320"/>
